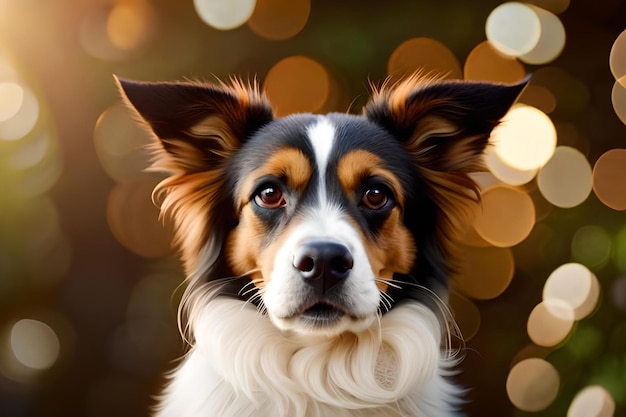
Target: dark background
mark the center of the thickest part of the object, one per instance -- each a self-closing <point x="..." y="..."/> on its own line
<point x="63" y="262"/>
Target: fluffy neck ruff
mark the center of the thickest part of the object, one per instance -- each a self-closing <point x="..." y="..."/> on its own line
<point x="395" y="366"/>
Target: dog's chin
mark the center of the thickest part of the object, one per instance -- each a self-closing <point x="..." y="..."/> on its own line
<point x="323" y="319"/>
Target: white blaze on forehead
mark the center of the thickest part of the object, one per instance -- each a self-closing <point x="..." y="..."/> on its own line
<point x="321" y="134"/>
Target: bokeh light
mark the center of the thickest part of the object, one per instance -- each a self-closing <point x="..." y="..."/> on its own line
<point x="592" y="401"/>
<point x="120" y="143"/>
<point x="550" y="322"/>
<point x="21" y="122"/>
<point x="428" y="56"/>
<point x="279" y="19"/>
<point x="565" y="180"/>
<point x="11" y="99"/>
<point x="617" y="59"/>
<point x="551" y="40"/>
<point x="297" y="84"/>
<point x="618" y="250"/>
<point x="34" y="344"/>
<point x="531" y="33"/>
<point x="513" y="28"/>
<point x="130" y="24"/>
<point x="591" y="246"/>
<point x="607" y="169"/>
<point x="501" y="205"/>
<point x="532" y="384"/>
<point x="618" y="98"/>
<point x="134" y="220"/>
<point x="507" y="173"/>
<point x="224" y="15"/>
<point x="525" y="139"/>
<point x="485" y="62"/>
<point x="484" y="272"/>
<point x="576" y="285"/>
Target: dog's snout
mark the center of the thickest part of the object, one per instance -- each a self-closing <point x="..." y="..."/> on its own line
<point x="323" y="264"/>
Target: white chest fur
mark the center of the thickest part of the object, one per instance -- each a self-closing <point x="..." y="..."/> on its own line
<point x="242" y="366"/>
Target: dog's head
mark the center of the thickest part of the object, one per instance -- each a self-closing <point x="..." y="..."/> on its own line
<point x="325" y="220"/>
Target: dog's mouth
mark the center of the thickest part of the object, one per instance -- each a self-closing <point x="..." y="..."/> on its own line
<point x="322" y="314"/>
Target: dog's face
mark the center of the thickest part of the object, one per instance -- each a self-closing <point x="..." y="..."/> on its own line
<point x="325" y="216"/>
<point x="320" y="204"/>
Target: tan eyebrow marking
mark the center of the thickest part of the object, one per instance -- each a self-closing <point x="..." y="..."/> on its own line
<point x="358" y="165"/>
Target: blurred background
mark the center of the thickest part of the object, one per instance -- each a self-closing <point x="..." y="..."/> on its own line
<point x="88" y="281"/>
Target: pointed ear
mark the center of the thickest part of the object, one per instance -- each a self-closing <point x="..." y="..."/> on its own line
<point x="444" y="125"/>
<point x="197" y="124"/>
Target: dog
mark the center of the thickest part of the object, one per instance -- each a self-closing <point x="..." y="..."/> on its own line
<point x="317" y="248"/>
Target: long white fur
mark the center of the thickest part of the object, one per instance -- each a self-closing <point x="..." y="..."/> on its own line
<point x="242" y="366"/>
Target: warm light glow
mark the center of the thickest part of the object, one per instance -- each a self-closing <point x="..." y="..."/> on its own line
<point x="532" y="384"/>
<point x="129" y="24"/>
<point x="592" y="401"/>
<point x="484" y="272"/>
<point x="425" y="55"/>
<point x="34" y="344"/>
<point x="485" y="62"/>
<point x="120" y="144"/>
<point x="224" y="15"/>
<point x="11" y="99"/>
<point x="505" y="217"/>
<point x="617" y="59"/>
<point x="576" y="285"/>
<point x="565" y="180"/>
<point x="279" y="19"/>
<point x="513" y="28"/>
<point x="297" y="84"/>
<point x="551" y="40"/>
<point x="507" y="173"/>
<point x="134" y="219"/>
<point x="608" y="174"/>
<point x="550" y="322"/>
<point x="21" y="122"/>
<point x="618" y="98"/>
<point x="526" y="138"/>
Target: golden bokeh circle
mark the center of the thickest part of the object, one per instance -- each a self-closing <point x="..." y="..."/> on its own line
<point x="425" y="55"/>
<point x="592" y="401"/>
<point x="617" y="59"/>
<point x="575" y="284"/>
<point x="566" y="179"/>
<point x="279" y="19"/>
<point x="484" y="272"/>
<point x="532" y="384"/>
<point x="609" y="185"/>
<point x="297" y="84"/>
<point x="485" y="62"/>
<point x="550" y="322"/>
<point x="505" y="217"/>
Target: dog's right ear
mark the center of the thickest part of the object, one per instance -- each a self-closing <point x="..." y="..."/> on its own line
<point x="198" y="125"/>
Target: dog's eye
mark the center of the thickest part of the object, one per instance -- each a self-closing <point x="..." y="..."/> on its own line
<point x="376" y="197"/>
<point x="270" y="197"/>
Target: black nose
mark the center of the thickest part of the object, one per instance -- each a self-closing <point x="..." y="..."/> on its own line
<point x="323" y="264"/>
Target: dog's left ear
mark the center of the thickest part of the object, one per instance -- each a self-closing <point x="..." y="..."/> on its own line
<point x="444" y="125"/>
